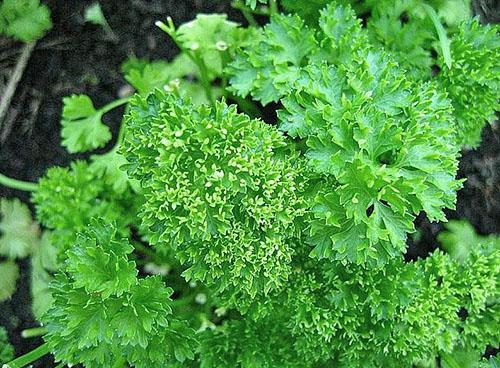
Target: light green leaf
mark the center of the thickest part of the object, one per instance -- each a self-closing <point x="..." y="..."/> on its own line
<point x="6" y="349"/>
<point x="146" y="76"/>
<point x="94" y="14"/>
<point x="25" y="20"/>
<point x="212" y="39"/>
<point x="9" y="272"/>
<point x="444" y="42"/>
<point x="18" y="232"/>
<point x="82" y="127"/>
<point x="108" y="167"/>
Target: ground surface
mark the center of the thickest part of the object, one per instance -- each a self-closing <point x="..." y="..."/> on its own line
<point x="77" y="58"/>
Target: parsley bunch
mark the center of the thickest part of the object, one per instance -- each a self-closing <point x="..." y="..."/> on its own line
<point x="282" y="244"/>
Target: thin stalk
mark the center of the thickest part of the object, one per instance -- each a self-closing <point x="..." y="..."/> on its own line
<point x="34" y="332"/>
<point x="450" y="361"/>
<point x="273" y="7"/>
<point x="246" y="11"/>
<point x="113" y="105"/>
<point x="120" y="363"/>
<point x="60" y="365"/>
<point x="14" y="79"/>
<point x="204" y="78"/>
<point x="28" y="358"/>
<point x="246" y="106"/>
<point x="18" y="184"/>
<point x="444" y="42"/>
<point x="121" y="132"/>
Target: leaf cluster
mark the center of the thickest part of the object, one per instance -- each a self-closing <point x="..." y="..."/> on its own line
<point x="218" y="191"/>
<point x="103" y="313"/>
<point x="282" y="244"/>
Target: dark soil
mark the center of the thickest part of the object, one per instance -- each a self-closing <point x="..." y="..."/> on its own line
<point x="77" y="58"/>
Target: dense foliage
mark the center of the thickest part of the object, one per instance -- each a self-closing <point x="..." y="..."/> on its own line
<point x="282" y="244"/>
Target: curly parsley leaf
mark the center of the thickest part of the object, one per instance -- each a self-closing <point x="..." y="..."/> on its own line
<point x="82" y="127"/>
<point x="102" y="312"/>
<point x="473" y="81"/>
<point x="306" y="9"/>
<point x="221" y="196"/>
<point x="67" y="198"/>
<point x="406" y="31"/>
<point x="272" y="59"/>
<point x="356" y="117"/>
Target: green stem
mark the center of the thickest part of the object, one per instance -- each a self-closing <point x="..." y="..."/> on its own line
<point x="18" y="184"/>
<point x="28" y="358"/>
<point x="444" y="42"/>
<point x="120" y="363"/>
<point x="169" y="28"/>
<point x="450" y="361"/>
<point x="246" y="106"/>
<point x="113" y="105"/>
<point x="273" y="7"/>
<point x="204" y="78"/>
<point x="34" y="332"/>
<point x="60" y="365"/>
<point x="121" y="131"/>
<point x="246" y="11"/>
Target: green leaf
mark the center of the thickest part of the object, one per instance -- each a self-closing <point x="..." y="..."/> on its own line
<point x="356" y="120"/>
<point x="43" y="263"/>
<point x="67" y="198"/>
<point x="100" y="265"/>
<point x="212" y="39"/>
<point x="473" y="81"/>
<point x="102" y="313"/>
<point x="454" y="12"/>
<point x="444" y="42"/>
<point x="108" y="168"/>
<point x="18" y="232"/>
<point x="253" y="3"/>
<point x="10" y="273"/>
<point x="180" y="75"/>
<point x="94" y="14"/>
<point x="6" y="349"/>
<point x="269" y="64"/>
<point x="145" y="76"/>
<point x="25" y="20"/>
<point x="306" y="9"/>
<point x="410" y="41"/>
<point x="185" y="156"/>
<point x="82" y="127"/>
<point x="460" y="240"/>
